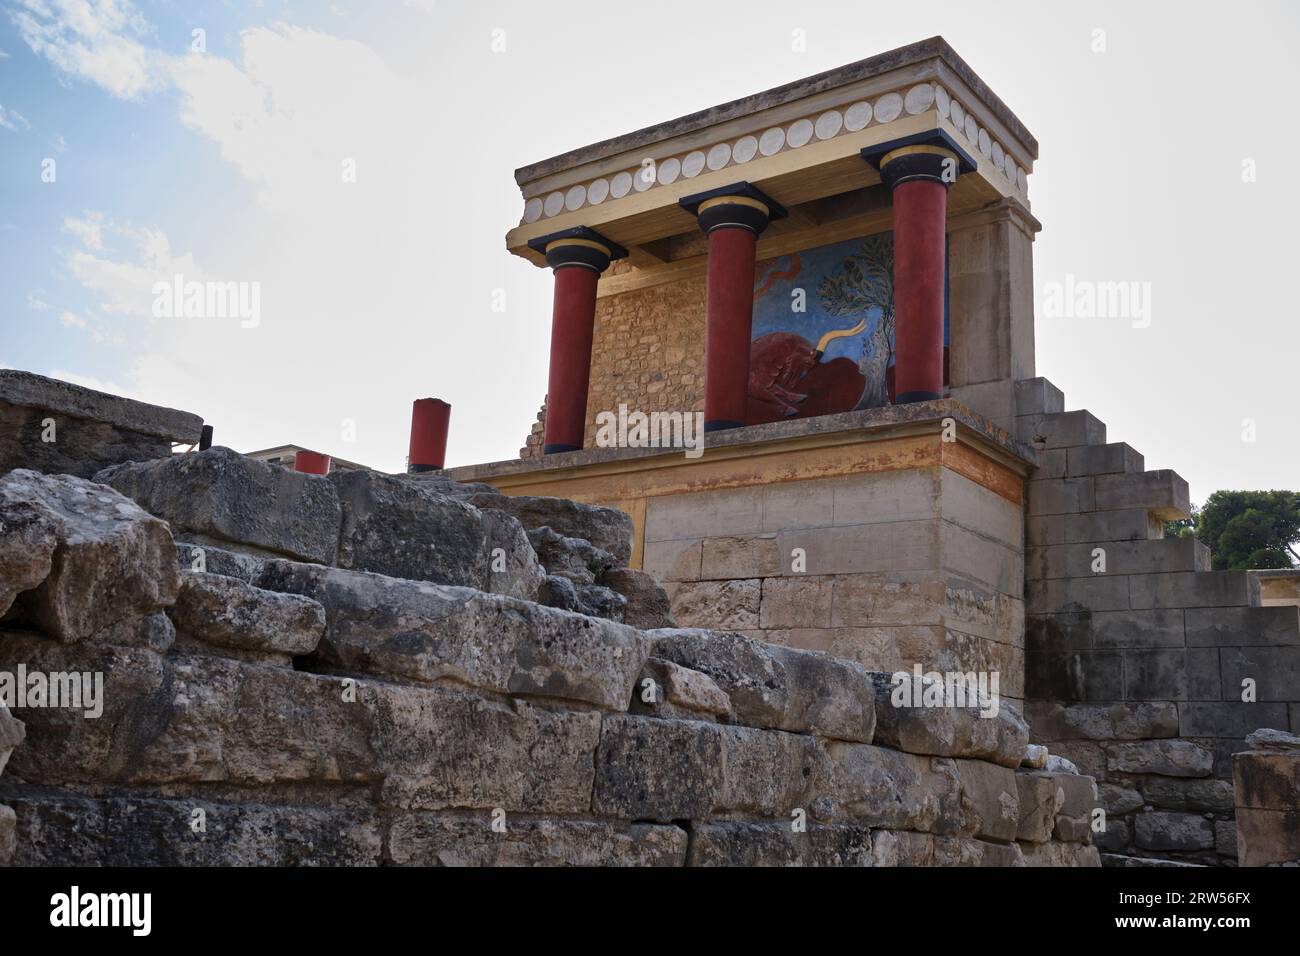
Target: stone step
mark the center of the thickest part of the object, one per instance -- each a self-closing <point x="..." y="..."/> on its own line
<point x="1242" y="626"/>
<point x="1111" y="458"/>
<point x="1120" y="557"/>
<point x="1061" y="429"/>
<point x="1163" y="492"/>
<point x="1132" y="524"/>
<point x="1038" y="396"/>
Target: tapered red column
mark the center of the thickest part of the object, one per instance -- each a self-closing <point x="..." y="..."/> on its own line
<point x="920" y="211"/>
<point x="430" y="421"/>
<point x="578" y="257"/>
<point x="733" y="218"/>
<point x="918" y="170"/>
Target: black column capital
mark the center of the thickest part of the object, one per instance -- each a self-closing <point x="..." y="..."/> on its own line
<point x="579" y="246"/>
<point x="738" y="206"/>
<point x="933" y="156"/>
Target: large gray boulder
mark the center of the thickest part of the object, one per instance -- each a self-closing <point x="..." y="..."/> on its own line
<point x="778" y="687"/>
<point x="402" y="528"/>
<point x="112" y="562"/>
<point x="648" y="606"/>
<point x="11" y="734"/>
<point x="229" y="497"/>
<point x="606" y="528"/>
<point x="231" y="613"/>
<point x="27" y="546"/>
<point x="423" y="632"/>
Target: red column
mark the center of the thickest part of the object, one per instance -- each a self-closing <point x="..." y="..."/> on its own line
<point x="430" y="419"/>
<point x="573" y="320"/>
<point x="733" y="217"/>
<point x="920" y="212"/>
<point x="578" y="256"/>
<point x="311" y="463"/>
<point x="730" y="317"/>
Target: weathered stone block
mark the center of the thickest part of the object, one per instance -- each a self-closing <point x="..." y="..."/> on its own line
<point x="1266" y="837"/>
<point x="1229" y="718"/>
<point x="775" y="844"/>
<point x="726" y="558"/>
<point x="884" y="788"/>
<point x="778" y="687"/>
<point x="655" y="769"/>
<point x="1189" y="589"/>
<point x="1229" y="626"/>
<point x="1061" y="429"/>
<point x="1038" y="803"/>
<point x="228" y="612"/>
<point x="414" y="630"/>
<point x="1200" y="796"/>
<point x="1136" y="720"/>
<point x="67" y="830"/>
<point x="647" y="605"/>
<point x="1170" y="758"/>
<point x="111" y="562"/>
<point x="607" y="528"/>
<point x="916" y="720"/>
<point x="1060" y="854"/>
<point x="223" y="494"/>
<point x="27" y="543"/>
<point x="430" y="839"/>
<point x="573" y="558"/>
<point x="206" y="558"/>
<point x="1156" y="627"/>
<point x="1159" y="674"/>
<point x="1163" y="493"/>
<point x="1184" y="832"/>
<point x="1266" y="781"/>
<point x="1113" y="458"/>
<point x="990" y="799"/>
<point x="676" y="691"/>
<point x="1274" y="670"/>
<point x="673" y="560"/>
<point x="1038" y="396"/>
<point x="797" y="601"/>
<point x="729" y="605"/>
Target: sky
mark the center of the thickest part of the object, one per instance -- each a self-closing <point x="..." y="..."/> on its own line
<point x="355" y="161"/>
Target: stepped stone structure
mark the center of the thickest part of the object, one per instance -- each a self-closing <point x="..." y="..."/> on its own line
<point x="803" y="564"/>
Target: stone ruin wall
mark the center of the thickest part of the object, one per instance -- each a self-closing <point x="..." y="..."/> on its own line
<point x="355" y="676"/>
<point x="1135" y="673"/>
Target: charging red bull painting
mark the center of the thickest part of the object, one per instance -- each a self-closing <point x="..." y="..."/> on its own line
<point x="823" y="332"/>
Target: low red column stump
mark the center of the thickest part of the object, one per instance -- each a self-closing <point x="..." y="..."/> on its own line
<point x="311" y="463"/>
<point x="430" y="421"/>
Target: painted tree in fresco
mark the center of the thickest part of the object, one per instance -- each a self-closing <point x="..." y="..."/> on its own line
<point x="866" y="281"/>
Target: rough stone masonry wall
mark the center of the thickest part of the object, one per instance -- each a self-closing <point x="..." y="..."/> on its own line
<point x="1135" y="672"/>
<point x="905" y="566"/>
<point x="293" y="712"/>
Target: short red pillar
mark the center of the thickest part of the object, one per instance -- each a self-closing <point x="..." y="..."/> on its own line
<point x="732" y="217"/>
<point x="311" y="463"/>
<point x="918" y="171"/>
<point x="920" y="212"/>
<point x="430" y="419"/>
<point x="578" y="257"/>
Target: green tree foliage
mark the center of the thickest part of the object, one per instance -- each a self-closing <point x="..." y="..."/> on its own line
<point x="1246" y="530"/>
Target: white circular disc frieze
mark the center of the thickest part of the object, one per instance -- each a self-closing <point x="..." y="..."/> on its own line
<point x="669" y="170"/>
<point x="857" y="116"/>
<point x="719" y="156"/>
<point x="598" y="191"/>
<point x="620" y="185"/>
<point x="889" y="108"/>
<point x="533" y="210"/>
<point x="919" y="98"/>
<point x="770" y="143"/>
<point x="829" y="124"/>
<point x="986" y="144"/>
<point x="693" y="164"/>
<point x="554" y="203"/>
<point x="799" y="133"/>
<point x="575" y="197"/>
<point x="942" y="102"/>
<point x="746" y="148"/>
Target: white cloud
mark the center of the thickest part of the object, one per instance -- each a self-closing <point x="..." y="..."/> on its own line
<point x="95" y="41"/>
<point x="124" y="278"/>
<point x="72" y="320"/>
<point x="13" y="120"/>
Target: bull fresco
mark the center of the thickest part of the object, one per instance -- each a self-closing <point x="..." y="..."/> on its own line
<point x="823" y="333"/>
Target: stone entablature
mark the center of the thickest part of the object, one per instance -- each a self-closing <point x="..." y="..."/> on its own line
<point x="772" y="138"/>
